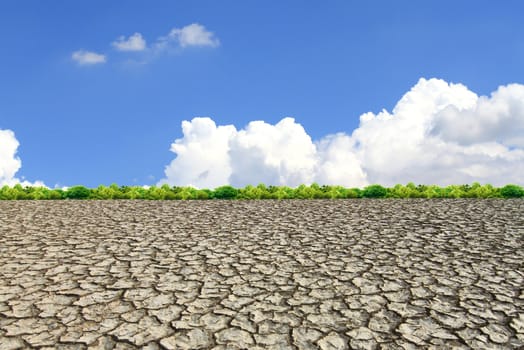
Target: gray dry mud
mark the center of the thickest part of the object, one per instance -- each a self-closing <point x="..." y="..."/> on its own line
<point x="343" y="274"/>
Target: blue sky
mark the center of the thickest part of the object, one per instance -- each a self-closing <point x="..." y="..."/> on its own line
<point x="322" y="63"/>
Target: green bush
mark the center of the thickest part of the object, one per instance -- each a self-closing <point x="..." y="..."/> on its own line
<point x="203" y="194"/>
<point x="154" y="193"/>
<point x="225" y="192"/>
<point x="354" y="193"/>
<point x="408" y="191"/>
<point x="56" y="194"/>
<point x="512" y="191"/>
<point x="485" y="191"/>
<point x="374" y="191"/>
<point x="432" y="191"/>
<point x="77" y="192"/>
<point x="454" y="191"/>
<point x="261" y="191"/>
<point x="39" y="193"/>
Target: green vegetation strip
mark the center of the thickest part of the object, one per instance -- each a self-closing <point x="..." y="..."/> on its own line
<point x="314" y="191"/>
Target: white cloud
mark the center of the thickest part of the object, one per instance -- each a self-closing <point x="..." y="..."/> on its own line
<point x="202" y="154"/>
<point x="424" y="142"/>
<point x="9" y="162"/>
<point x="273" y="154"/>
<point x="194" y="35"/>
<point x="134" y="42"/>
<point x="83" y="57"/>
<point x="282" y="154"/>
<point x="191" y="35"/>
<point x="337" y="162"/>
<point x="499" y="117"/>
<point x="438" y="133"/>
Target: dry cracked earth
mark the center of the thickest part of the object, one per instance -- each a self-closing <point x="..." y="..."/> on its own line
<point x="320" y="274"/>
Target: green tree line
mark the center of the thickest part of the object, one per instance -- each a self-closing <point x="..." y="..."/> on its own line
<point x="314" y="191"/>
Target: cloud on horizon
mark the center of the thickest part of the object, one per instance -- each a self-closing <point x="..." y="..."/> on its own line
<point x="9" y="162"/>
<point x="86" y="58"/>
<point x="438" y="133"/>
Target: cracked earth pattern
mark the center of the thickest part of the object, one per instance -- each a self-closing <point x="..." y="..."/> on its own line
<point x="296" y="274"/>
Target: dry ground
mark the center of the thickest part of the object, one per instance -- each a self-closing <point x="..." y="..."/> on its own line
<point x="342" y="274"/>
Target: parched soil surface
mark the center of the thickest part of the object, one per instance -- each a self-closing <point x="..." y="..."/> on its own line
<point x="321" y="274"/>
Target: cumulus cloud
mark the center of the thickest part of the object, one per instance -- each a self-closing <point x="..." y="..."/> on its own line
<point x="282" y="154"/>
<point x="337" y="162"/>
<point x="202" y="154"/>
<point x="191" y="35"/>
<point x="194" y="35"/>
<point x="9" y="162"/>
<point x="134" y="42"/>
<point x="438" y="133"/>
<point x="275" y="154"/>
<point x="422" y="141"/>
<point x="494" y="118"/>
<point x="83" y="57"/>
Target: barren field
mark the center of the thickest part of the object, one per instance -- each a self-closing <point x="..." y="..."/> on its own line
<point x="322" y="274"/>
